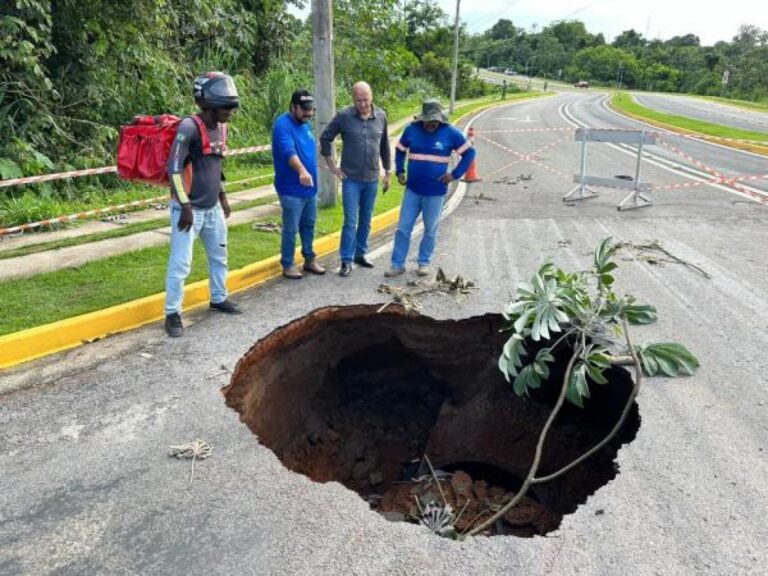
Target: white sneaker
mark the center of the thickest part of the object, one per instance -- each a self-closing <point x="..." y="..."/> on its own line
<point x="424" y="270"/>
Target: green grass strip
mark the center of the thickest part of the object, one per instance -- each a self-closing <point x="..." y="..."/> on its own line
<point x="625" y="102"/>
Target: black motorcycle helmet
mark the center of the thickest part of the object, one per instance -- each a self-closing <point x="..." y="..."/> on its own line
<point x="214" y="90"/>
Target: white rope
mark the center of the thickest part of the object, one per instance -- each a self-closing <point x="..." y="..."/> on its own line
<point x="199" y="449"/>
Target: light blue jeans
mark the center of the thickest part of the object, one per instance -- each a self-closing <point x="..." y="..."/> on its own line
<point x="210" y="226"/>
<point x="414" y="204"/>
<point x="299" y="215"/>
<point x="358" y="198"/>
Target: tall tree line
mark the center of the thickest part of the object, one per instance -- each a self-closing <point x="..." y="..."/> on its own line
<point x="73" y="71"/>
<point x="565" y="50"/>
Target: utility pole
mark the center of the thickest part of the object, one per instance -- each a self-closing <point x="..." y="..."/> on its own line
<point x="455" y="58"/>
<point x="619" y="74"/>
<point x="325" y="100"/>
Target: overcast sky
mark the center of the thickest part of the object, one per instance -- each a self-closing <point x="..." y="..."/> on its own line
<point x="711" y="21"/>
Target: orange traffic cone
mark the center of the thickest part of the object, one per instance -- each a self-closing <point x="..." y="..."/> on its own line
<point x="471" y="175"/>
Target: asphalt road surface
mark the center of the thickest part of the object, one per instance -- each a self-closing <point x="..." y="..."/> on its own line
<point x="708" y="111"/>
<point x="88" y="487"/>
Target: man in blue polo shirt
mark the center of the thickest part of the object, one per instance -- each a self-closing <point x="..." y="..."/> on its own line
<point x="293" y="154"/>
<point x="429" y="141"/>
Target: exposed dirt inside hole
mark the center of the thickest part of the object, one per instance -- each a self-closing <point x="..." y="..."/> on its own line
<point x="349" y="395"/>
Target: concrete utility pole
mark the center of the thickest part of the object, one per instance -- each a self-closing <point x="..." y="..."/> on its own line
<point x="325" y="100"/>
<point x="455" y="58"/>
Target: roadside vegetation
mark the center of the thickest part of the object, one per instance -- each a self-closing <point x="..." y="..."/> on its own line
<point x="626" y="103"/>
<point x="567" y="51"/>
<point x="72" y="73"/>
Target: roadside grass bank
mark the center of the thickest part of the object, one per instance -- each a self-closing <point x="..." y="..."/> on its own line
<point x="46" y="298"/>
<point x="37" y="202"/>
<point x="624" y="102"/>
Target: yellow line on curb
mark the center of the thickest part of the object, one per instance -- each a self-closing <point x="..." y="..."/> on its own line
<point x="26" y="345"/>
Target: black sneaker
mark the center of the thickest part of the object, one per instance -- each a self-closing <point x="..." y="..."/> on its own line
<point x="364" y="262"/>
<point x="173" y="326"/>
<point x="226" y="306"/>
<point x="346" y="269"/>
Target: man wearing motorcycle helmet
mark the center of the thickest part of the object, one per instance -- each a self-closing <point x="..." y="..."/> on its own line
<point x="198" y="203"/>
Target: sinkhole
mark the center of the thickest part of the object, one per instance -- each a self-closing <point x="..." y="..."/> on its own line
<point x="351" y="395"/>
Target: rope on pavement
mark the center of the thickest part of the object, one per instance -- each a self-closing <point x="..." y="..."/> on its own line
<point x="199" y="449"/>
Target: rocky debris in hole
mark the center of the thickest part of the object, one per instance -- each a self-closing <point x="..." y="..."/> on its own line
<point x="470" y="501"/>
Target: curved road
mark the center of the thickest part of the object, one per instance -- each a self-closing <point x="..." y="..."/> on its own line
<point x="705" y="110"/>
<point x="88" y="487"/>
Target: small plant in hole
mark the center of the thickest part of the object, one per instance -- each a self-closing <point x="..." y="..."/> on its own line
<point x="578" y="310"/>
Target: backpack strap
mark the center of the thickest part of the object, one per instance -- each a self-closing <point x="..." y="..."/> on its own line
<point x="204" y="138"/>
<point x="223" y="137"/>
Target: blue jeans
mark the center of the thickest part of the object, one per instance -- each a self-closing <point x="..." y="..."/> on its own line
<point x="209" y="225"/>
<point x="299" y="215"/>
<point x="430" y="208"/>
<point x="358" y="198"/>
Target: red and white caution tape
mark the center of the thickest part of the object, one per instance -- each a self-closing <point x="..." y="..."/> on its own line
<point x="718" y="177"/>
<point x="91" y="172"/>
<point x="65" y="219"/>
<point x="106" y="169"/>
<point x="59" y="176"/>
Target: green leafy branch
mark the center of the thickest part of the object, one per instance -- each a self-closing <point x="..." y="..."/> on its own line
<point x="581" y="311"/>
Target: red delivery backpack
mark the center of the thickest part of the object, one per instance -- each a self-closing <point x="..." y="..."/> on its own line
<point x="145" y="145"/>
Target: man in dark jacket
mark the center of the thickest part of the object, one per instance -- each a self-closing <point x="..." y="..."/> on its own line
<point x="363" y="129"/>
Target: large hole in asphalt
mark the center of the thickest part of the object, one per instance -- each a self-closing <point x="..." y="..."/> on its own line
<point x="350" y="395"/>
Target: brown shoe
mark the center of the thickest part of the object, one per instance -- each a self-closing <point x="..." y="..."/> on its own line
<point x="293" y="273"/>
<point x="392" y="272"/>
<point x="313" y="267"/>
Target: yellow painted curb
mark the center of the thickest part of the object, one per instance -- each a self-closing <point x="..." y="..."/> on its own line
<point x="20" y="347"/>
<point x="728" y="142"/>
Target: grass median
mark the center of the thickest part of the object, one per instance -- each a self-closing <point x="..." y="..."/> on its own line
<point x="624" y="102"/>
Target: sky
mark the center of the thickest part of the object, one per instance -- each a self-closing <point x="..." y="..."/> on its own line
<point x="711" y="21"/>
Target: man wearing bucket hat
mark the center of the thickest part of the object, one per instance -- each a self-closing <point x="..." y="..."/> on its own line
<point x="429" y="141"/>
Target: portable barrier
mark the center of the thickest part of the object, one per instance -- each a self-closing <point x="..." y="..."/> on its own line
<point x="639" y="195"/>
